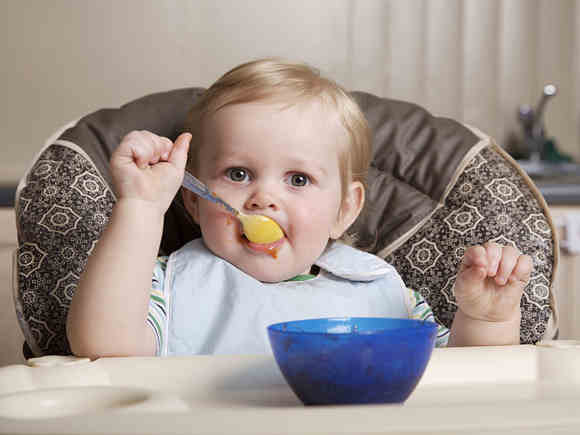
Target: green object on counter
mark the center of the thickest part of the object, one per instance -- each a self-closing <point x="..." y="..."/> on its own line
<point x="550" y="153"/>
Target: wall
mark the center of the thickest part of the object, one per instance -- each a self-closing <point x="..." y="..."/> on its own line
<point x="11" y="338"/>
<point x="470" y="59"/>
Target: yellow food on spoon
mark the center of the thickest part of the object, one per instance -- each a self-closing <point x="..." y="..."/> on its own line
<point x="260" y="229"/>
<point x="257" y="228"/>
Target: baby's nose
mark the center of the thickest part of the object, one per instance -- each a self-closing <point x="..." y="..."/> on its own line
<point x="260" y="200"/>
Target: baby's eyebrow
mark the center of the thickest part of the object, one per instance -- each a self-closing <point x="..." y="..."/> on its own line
<point x="226" y="159"/>
<point x="305" y="164"/>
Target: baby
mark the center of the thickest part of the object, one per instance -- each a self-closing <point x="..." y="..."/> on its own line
<point x="275" y="139"/>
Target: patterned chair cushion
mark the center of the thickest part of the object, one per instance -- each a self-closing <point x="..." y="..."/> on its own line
<point x="491" y="200"/>
<point x="435" y="187"/>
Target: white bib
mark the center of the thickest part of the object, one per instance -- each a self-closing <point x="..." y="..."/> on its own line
<point x="215" y="308"/>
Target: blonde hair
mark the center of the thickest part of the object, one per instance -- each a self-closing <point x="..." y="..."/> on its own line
<point x="278" y="80"/>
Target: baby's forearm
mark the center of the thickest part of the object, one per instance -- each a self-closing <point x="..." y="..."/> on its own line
<point x="108" y="312"/>
<point x="466" y="331"/>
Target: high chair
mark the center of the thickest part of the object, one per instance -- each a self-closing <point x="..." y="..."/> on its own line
<point x="436" y="186"/>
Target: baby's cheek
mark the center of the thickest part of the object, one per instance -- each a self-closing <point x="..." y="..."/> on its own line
<point x="218" y="225"/>
<point x="304" y="222"/>
<point x="311" y="230"/>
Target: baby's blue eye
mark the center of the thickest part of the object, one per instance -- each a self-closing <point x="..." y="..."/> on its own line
<point x="299" y="180"/>
<point x="237" y="174"/>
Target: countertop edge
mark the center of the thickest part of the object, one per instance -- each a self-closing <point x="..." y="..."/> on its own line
<point x="553" y="194"/>
<point x="7" y="195"/>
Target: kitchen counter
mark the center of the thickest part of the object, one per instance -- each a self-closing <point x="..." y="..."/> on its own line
<point x="560" y="190"/>
<point x="7" y="195"/>
<point x="559" y="183"/>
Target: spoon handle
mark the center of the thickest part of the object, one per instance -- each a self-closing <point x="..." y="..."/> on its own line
<point x="196" y="186"/>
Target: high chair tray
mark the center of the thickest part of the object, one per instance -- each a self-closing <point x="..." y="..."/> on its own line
<point x="512" y="389"/>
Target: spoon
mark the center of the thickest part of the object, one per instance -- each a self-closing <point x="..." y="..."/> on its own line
<point x="257" y="228"/>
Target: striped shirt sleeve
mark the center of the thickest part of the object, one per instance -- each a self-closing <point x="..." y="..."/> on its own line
<point x="157" y="316"/>
<point x="419" y="309"/>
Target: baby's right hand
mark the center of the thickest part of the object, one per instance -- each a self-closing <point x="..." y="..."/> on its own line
<point x="150" y="168"/>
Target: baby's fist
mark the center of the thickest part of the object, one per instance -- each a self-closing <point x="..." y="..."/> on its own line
<point x="491" y="281"/>
<point x="149" y="167"/>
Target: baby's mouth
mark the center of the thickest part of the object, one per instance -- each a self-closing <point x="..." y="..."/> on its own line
<point x="266" y="248"/>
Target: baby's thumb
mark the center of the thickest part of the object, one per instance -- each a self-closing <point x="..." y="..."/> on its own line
<point x="178" y="156"/>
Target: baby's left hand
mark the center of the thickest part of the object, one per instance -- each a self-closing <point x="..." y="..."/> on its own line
<point x="491" y="281"/>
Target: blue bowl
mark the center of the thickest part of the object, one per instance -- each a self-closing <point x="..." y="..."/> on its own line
<point x="352" y="360"/>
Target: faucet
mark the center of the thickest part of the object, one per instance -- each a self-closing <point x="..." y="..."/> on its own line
<point x="533" y="124"/>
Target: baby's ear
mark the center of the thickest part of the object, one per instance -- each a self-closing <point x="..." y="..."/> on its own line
<point x="191" y="203"/>
<point x="349" y="210"/>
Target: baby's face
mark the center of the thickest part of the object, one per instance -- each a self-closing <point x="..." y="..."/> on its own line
<point x="278" y="162"/>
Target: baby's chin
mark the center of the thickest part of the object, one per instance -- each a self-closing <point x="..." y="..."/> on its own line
<point x="272" y="276"/>
<point x="265" y="267"/>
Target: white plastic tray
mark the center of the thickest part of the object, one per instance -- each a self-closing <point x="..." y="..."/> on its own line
<point x="513" y="389"/>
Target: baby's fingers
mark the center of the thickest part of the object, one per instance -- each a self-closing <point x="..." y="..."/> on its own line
<point x="493" y="252"/>
<point x="475" y="256"/>
<point x="178" y="156"/>
<point x="150" y="148"/>
<point x="509" y="259"/>
<point x="474" y="264"/>
<point x="144" y="148"/>
<point x="523" y="269"/>
<point x="165" y="148"/>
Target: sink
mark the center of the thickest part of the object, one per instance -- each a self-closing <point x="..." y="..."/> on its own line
<point x="540" y="169"/>
<point x="558" y="182"/>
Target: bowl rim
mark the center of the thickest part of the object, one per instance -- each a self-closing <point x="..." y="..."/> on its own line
<point x="421" y="325"/>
